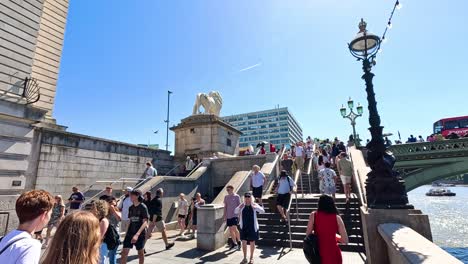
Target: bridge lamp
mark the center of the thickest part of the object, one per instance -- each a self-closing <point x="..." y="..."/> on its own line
<point x="352" y="116"/>
<point x="385" y="189"/>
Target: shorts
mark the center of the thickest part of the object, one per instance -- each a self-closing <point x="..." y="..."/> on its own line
<point x="257" y="192"/>
<point x="283" y="200"/>
<point x="232" y="221"/>
<point x="329" y="189"/>
<point x="181" y="216"/>
<point x="248" y="235"/>
<point x="194" y="219"/>
<point x="345" y="179"/>
<point x="160" y="225"/>
<point x="140" y="243"/>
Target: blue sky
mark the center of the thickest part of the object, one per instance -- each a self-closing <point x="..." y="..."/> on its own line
<point x="120" y="58"/>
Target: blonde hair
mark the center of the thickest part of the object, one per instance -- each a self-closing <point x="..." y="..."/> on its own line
<point x="61" y="199"/>
<point x="182" y="195"/>
<point x="100" y="209"/>
<point x="76" y="241"/>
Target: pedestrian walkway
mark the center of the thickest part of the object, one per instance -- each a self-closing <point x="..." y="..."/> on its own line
<point x="186" y="252"/>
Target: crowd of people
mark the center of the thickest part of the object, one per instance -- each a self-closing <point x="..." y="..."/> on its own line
<point x="109" y="223"/>
<point x="102" y="224"/>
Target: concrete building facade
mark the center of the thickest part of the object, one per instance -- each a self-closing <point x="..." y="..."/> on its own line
<point x="277" y="126"/>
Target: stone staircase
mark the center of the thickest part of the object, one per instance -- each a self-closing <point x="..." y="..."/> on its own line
<point x="274" y="233"/>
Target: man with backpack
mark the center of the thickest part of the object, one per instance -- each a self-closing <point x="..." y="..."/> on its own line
<point x="284" y="189"/>
<point x="33" y="209"/>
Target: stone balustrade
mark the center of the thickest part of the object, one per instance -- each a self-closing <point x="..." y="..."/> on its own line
<point x="406" y="246"/>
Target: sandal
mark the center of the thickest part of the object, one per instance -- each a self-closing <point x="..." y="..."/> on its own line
<point x="251" y="261"/>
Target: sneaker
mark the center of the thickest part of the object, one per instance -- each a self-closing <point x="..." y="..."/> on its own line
<point x="169" y="245"/>
<point x="184" y="237"/>
<point x="233" y="245"/>
<point x="239" y="246"/>
<point x="244" y="261"/>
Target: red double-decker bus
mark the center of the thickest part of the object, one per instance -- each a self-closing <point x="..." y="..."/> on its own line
<point x="456" y="125"/>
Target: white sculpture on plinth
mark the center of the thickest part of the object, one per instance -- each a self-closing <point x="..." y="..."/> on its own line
<point x="211" y="102"/>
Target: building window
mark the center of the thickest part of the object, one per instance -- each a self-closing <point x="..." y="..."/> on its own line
<point x="228" y="142"/>
<point x="252" y="117"/>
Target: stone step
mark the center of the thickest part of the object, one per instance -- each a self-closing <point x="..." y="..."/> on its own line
<point x="299" y="244"/>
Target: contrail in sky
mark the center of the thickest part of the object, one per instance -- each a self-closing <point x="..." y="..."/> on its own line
<point x="251" y="67"/>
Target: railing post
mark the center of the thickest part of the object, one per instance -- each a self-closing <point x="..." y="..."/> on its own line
<point x="302" y="185"/>
<point x="297" y="208"/>
<point x="289" y="226"/>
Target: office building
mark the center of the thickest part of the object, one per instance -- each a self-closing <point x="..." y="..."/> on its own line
<point x="277" y="126"/>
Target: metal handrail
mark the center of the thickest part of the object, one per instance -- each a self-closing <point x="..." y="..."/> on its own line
<point x="195" y="168"/>
<point x="296" y="177"/>
<point x="175" y="167"/>
<point x="120" y="180"/>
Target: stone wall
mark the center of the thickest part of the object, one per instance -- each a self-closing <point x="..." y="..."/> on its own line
<point x="223" y="169"/>
<point x="68" y="160"/>
<point x="48" y="52"/>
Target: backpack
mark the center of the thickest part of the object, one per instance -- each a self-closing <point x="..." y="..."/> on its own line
<point x="112" y="238"/>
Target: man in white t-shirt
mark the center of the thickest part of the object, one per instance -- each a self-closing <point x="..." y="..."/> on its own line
<point x="150" y="171"/>
<point x="124" y="204"/>
<point x="33" y="209"/>
<point x="300" y="154"/>
<point x="257" y="181"/>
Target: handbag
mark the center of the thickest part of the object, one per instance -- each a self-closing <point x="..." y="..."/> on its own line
<point x="311" y="247"/>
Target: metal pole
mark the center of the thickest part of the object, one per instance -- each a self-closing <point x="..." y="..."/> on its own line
<point x="356" y="142"/>
<point x="167" y="120"/>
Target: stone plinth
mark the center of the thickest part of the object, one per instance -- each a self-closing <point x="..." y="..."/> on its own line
<point x="376" y="248"/>
<point x="210" y="226"/>
<point x="202" y="135"/>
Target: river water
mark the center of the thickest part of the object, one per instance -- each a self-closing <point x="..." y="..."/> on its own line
<point x="448" y="217"/>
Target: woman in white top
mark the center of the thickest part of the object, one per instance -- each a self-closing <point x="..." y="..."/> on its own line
<point x="248" y="223"/>
<point x="182" y="213"/>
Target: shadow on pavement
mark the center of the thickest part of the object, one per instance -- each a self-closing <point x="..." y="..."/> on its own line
<point x="202" y="255"/>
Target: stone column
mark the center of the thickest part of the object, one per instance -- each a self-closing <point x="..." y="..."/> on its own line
<point x="210" y="226"/>
<point x="376" y="248"/>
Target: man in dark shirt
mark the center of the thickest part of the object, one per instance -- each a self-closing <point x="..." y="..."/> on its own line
<point x="157" y="220"/>
<point x="76" y="199"/>
<point x="135" y="235"/>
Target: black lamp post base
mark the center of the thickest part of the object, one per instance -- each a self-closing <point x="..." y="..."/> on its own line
<point x="385" y="189"/>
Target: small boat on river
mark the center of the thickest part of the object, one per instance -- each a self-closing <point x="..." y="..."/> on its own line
<point x="440" y="192"/>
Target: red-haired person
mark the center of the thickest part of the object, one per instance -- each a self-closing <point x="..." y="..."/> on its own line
<point x="33" y="209"/>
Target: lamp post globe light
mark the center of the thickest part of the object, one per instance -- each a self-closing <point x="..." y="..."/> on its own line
<point x="352" y="116"/>
<point x="385" y="189"/>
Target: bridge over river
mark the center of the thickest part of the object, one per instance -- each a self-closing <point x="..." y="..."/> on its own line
<point x="423" y="163"/>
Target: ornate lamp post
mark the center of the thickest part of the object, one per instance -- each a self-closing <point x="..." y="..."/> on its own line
<point x="352" y="116"/>
<point x="385" y="189"/>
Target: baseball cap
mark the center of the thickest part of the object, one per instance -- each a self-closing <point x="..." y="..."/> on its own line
<point x="247" y="195"/>
<point x="129" y="189"/>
